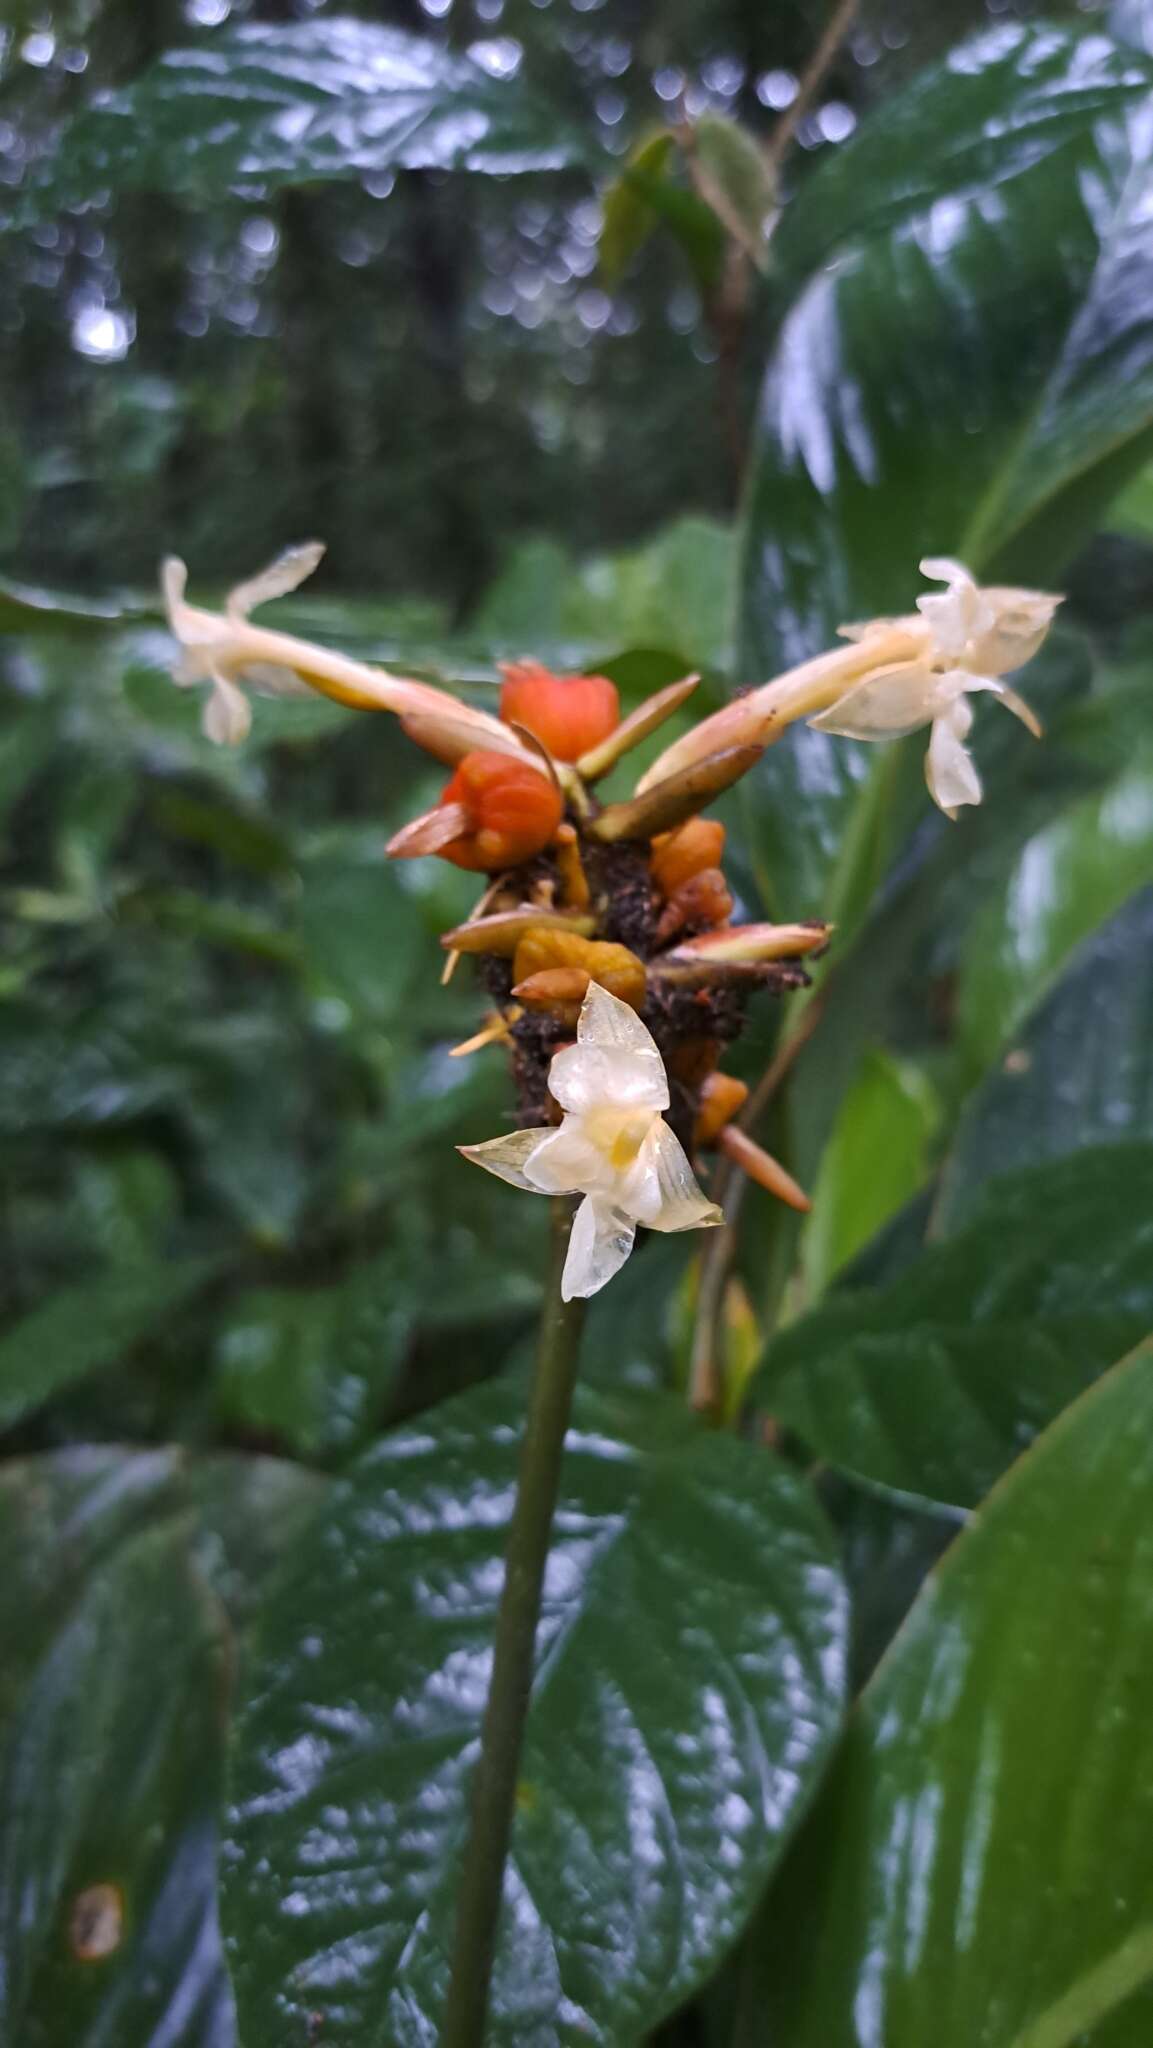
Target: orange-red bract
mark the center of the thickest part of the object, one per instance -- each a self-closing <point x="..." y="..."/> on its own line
<point x="569" y="713"/>
<point x="513" y="809"/>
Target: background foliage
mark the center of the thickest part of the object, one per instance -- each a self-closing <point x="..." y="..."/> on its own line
<point x="302" y="273"/>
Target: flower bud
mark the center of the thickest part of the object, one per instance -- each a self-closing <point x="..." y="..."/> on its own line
<point x="721" y="1096"/>
<point x="547" y="950"/>
<point x="677" y="856"/>
<point x="700" y="904"/>
<point x="570" y="714"/>
<point x="513" y="812"/>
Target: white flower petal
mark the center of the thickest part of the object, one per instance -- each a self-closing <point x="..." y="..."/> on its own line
<point x="956" y="615"/>
<point x="173" y="584"/>
<point x="606" y="1021"/>
<point x="286" y="573"/>
<point x="1020" y="621"/>
<point x="227" y="715"/>
<point x="661" y="1190"/>
<point x="601" y="1240"/>
<point x="506" y="1156"/>
<point x="566" y="1162"/>
<point x="943" y="569"/>
<point x="888" y="705"/>
<point x="589" y="1077"/>
<point x="1021" y="710"/>
<point x="949" y="767"/>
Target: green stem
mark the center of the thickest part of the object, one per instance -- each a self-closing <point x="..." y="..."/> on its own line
<point x="502" y="1733"/>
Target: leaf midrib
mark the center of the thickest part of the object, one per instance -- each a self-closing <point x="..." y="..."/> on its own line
<point x="1092" y="1996"/>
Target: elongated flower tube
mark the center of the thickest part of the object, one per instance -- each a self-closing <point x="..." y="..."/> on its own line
<point x="613" y="1145"/>
<point x="227" y="651"/>
<point x="895" y="677"/>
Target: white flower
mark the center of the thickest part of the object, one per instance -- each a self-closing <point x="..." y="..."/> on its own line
<point x="972" y="637"/>
<point x="613" y="1147"/>
<point x="213" y="650"/>
<point x="226" y="650"/>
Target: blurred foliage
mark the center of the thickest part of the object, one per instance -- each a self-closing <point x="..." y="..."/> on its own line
<point x="245" y="1279"/>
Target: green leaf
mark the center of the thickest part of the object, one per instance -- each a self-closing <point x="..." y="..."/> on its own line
<point x="315" y="1365"/>
<point x="932" y="1385"/>
<point x="1079" y="1072"/>
<point x="877" y="1158"/>
<point x="736" y="179"/>
<point x="687" y="1689"/>
<point x="1066" y="882"/>
<point x="362" y="935"/>
<point x="119" y="1650"/>
<point x="88" y="1328"/>
<point x="628" y="216"/>
<point x="977" y="1867"/>
<point x="970" y="372"/>
<point x="268" y="104"/>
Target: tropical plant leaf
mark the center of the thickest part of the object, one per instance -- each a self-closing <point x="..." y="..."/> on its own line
<point x="89" y="1328"/>
<point x="1007" y="269"/>
<point x="688" y="1684"/>
<point x="933" y="1385"/>
<point x="1079" y="1072"/>
<point x="119" y="1657"/>
<point x="977" y="1866"/>
<point x="267" y="104"/>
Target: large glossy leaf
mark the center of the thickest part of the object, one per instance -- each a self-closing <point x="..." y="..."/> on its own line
<point x="1067" y="881"/>
<point x="977" y="1869"/>
<point x="126" y="1574"/>
<point x="1079" y="1072"/>
<point x="688" y="1682"/>
<point x="88" y="1328"/>
<point x="934" y="1384"/>
<point x="969" y="374"/>
<point x="288" y="103"/>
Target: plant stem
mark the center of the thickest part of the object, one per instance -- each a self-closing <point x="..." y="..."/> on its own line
<point x="502" y="1732"/>
<point x="837" y="29"/>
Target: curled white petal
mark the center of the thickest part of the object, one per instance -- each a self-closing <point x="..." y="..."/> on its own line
<point x="227" y="715"/>
<point x="958" y="614"/>
<point x="888" y="705"/>
<point x="600" y="1242"/>
<point x="949" y="767"/>
<point x="286" y="573"/>
<point x="506" y="1156"/>
<point x="662" y="1190"/>
<point x="1020" y="621"/>
<point x="1020" y="709"/>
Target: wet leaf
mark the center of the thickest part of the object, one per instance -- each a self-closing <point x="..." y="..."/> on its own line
<point x="932" y="1386"/>
<point x="89" y="1328"/>
<point x="268" y="104"/>
<point x="977" y="1865"/>
<point x="119" y="1658"/>
<point x="1079" y="1071"/>
<point x="687" y="1688"/>
<point x="988" y="235"/>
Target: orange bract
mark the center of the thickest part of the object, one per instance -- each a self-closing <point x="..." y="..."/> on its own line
<point x="569" y="713"/>
<point x="513" y="812"/>
<point x="693" y="847"/>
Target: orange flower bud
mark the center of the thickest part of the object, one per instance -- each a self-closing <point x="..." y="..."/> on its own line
<point x="721" y="1096"/>
<point x="545" y="950"/>
<point x="677" y="856"/>
<point x="701" y="903"/>
<point x="512" y="810"/>
<point x="569" y="713"/>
